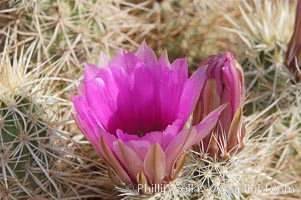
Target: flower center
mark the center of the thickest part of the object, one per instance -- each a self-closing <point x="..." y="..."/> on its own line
<point x="137" y="124"/>
<point x="141" y="133"/>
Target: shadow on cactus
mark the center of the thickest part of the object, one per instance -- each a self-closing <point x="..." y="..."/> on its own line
<point x="23" y="138"/>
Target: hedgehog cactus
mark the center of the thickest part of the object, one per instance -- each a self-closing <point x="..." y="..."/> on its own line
<point x="25" y="158"/>
<point x="23" y="148"/>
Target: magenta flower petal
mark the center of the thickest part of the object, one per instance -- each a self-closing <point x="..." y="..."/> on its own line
<point x="103" y="60"/>
<point x="177" y="147"/>
<point x="143" y="95"/>
<point x="191" y="91"/>
<point x="133" y="109"/>
<point x="163" y="60"/>
<point x="86" y="123"/>
<point x="91" y="71"/>
<point x="187" y="138"/>
<point x="154" y="164"/>
<point x="172" y="90"/>
<point x="146" y="54"/>
<point x="81" y="89"/>
<point x="99" y="100"/>
<point x="109" y="157"/>
<point x="129" y="158"/>
<point x="125" y="61"/>
<point x="140" y="146"/>
<point x="180" y="71"/>
<point x="208" y="123"/>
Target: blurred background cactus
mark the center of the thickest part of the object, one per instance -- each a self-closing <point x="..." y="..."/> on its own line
<point x="192" y="28"/>
<point x="71" y="32"/>
<point x="264" y="29"/>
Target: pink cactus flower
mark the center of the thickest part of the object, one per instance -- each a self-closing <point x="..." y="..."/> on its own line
<point x="133" y="109"/>
<point x="224" y="84"/>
